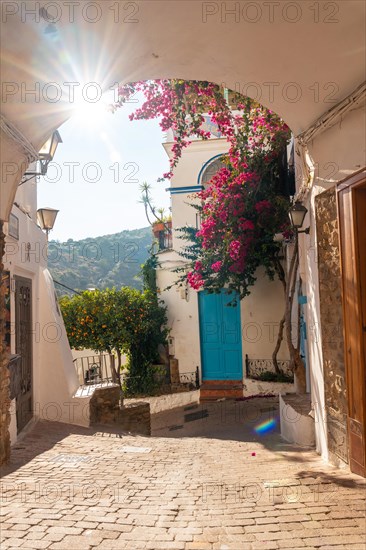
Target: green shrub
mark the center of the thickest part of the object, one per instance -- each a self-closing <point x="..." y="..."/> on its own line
<point x="269" y="376"/>
<point x="119" y="321"/>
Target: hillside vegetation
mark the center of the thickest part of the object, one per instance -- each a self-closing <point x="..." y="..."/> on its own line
<point x="100" y="262"/>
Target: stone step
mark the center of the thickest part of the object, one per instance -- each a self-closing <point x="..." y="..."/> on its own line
<point x="219" y="389"/>
<point x="222" y="385"/>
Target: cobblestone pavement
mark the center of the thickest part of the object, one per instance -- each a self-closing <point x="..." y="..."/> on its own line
<point x="204" y="480"/>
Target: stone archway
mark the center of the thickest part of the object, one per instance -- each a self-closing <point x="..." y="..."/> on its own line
<point x="268" y="54"/>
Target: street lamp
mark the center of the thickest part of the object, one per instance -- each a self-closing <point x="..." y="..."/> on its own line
<point x="46" y="154"/>
<point x="297" y="215"/>
<point x="46" y="218"/>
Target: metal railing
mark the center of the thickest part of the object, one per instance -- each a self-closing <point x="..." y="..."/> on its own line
<point x="94" y="369"/>
<point x="257" y="367"/>
<point x="165" y="239"/>
<point x="97" y="369"/>
<point x="190" y="378"/>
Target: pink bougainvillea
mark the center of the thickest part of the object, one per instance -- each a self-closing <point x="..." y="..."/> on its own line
<point x="195" y="280"/>
<point x="216" y="266"/>
<point x="262" y="206"/>
<point x="241" y="207"/>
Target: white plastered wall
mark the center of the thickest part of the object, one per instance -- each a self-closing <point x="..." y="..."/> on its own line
<point x="54" y="377"/>
<point x="337" y="153"/>
<point x="182" y="316"/>
<point x="261" y="313"/>
<point x="57" y="380"/>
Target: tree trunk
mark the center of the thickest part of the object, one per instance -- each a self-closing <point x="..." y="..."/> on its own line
<point x="119" y="365"/>
<point x="113" y="368"/>
<point x="278" y="345"/>
<point x="296" y="362"/>
<point x="282" y="277"/>
<point x="116" y="373"/>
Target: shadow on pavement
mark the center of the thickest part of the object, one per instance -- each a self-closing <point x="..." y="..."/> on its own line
<point x="44" y="435"/>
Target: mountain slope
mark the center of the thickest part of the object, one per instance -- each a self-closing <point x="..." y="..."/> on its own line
<point x="100" y="262"/>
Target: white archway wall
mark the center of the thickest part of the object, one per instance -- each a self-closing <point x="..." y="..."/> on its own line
<point x="338" y="152"/>
<point x="13" y="164"/>
<point x="266" y="55"/>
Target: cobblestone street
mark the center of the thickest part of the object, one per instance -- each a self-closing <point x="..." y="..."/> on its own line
<point x="204" y="480"/>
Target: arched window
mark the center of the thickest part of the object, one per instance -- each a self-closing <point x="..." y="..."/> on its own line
<point x="210" y="169"/>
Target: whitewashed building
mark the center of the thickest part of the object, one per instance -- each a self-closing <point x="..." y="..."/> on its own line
<point x="223" y="342"/>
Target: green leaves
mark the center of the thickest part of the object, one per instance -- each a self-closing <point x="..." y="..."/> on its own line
<point x="125" y="320"/>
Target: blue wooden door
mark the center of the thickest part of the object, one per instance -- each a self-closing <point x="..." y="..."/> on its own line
<point x="303" y="338"/>
<point x="220" y="336"/>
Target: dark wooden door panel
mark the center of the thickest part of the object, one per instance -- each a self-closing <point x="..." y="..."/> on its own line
<point x="23" y="347"/>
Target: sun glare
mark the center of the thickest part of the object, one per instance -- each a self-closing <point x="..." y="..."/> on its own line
<point x="90" y="115"/>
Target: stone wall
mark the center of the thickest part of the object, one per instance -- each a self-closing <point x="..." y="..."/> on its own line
<point x="133" y="417"/>
<point x="4" y="371"/>
<point x="330" y="288"/>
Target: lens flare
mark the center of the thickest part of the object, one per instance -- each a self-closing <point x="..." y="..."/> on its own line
<point x="266" y="426"/>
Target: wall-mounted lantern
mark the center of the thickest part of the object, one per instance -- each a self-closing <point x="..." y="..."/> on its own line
<point x="297" y="215"/>
<point x="46" y="218"/>
<point x="46" y="155"/>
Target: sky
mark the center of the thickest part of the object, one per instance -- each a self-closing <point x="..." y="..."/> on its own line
<point x="96" y="173"/>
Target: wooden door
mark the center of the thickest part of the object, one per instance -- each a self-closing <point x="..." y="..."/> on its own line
<point x="352" y="225"/>
<point x="23" y="347"/>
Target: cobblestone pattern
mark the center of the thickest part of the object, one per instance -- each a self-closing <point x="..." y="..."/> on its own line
<point x="330" y="287"/>
<point x="212" y="486"/>
<point x="136" y="418"/>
